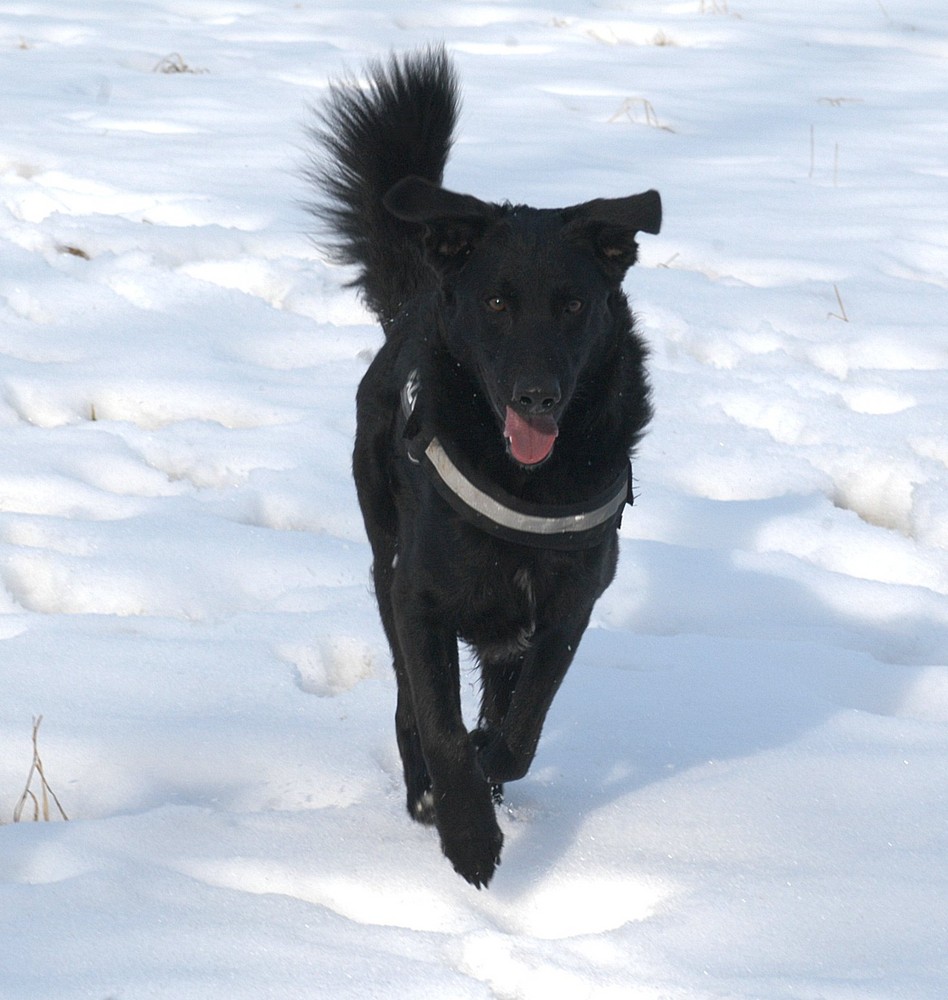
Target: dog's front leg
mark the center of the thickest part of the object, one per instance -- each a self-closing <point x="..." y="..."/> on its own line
<point x="505" y="753"/>
<point x="461" y="796"/>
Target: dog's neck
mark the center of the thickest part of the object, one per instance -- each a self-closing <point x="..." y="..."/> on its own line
<point x="488" y="507"/>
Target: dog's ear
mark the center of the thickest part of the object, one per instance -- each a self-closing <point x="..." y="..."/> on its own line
<point x="454" y="222"/>
<point x="611" y="224"/>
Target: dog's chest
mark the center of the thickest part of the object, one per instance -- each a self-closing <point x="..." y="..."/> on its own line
<point x="499" y="617"/>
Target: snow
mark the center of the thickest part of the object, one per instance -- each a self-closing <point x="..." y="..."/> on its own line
<point x="742" y="789"/>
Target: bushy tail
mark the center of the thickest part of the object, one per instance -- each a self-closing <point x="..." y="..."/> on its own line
<point x="400" y="124"/>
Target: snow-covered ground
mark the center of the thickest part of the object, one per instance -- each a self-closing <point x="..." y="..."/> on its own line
<point x="742" y="790"/>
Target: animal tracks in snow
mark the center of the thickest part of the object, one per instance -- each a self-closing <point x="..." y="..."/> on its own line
<point x="150" y="464"/>
<point x="147" y="403"/>
<point x="170" y="409"/>
<point x="784" y="410"/>
<point x="330" y="665"/>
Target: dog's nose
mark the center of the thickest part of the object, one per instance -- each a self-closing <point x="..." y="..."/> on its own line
<point x="533" y="397"/>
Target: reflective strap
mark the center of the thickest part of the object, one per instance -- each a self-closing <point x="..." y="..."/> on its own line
<point x="532" y="524"/>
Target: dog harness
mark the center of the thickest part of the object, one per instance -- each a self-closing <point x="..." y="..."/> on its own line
<point x="485" y="505"/>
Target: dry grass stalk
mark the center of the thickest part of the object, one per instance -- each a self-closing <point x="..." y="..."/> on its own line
<point x="73" y="251"/>
<point x="41" y="804"/>
<point x="842" y="309"/>
<point x="628" y="108"/>
<point x="174" y="63"/>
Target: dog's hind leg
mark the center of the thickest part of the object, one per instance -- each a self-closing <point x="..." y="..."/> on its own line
<point x="380" y="518"/>
<point x="498" y="681"/>
<point x="499" y="677"/>
<point x="417" y="781"/>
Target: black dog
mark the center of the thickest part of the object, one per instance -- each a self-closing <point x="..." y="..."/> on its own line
<point x="494" y="432"/>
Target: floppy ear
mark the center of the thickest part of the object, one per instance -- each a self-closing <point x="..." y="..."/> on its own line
<point x="611" y="224"/>
<point x="454" y="221"/>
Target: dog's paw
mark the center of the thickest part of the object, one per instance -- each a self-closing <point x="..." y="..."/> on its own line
<point x="470" y="837"/>
<point x="495" y="758"/>
<point x="475" y="855"/>
<point x="421" y="808"/>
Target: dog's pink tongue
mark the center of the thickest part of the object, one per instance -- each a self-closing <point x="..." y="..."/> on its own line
<point x="531" y="438"/>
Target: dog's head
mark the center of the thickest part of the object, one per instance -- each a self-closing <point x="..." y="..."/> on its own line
<point x="529" y="295"/>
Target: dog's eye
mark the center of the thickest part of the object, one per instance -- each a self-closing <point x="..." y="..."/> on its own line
<point x="574" y="306"/>
<point x="496" y="304"/>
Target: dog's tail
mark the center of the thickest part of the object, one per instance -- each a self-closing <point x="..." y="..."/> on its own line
<point x="368" y="138"/>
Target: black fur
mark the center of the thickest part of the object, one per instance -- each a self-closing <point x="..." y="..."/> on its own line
<point x="508" y="313"/>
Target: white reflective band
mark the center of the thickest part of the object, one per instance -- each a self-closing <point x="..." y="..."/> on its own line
<point x="532" y="524"/>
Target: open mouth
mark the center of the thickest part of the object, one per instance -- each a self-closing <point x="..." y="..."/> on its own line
<point x="530" y="439"/>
